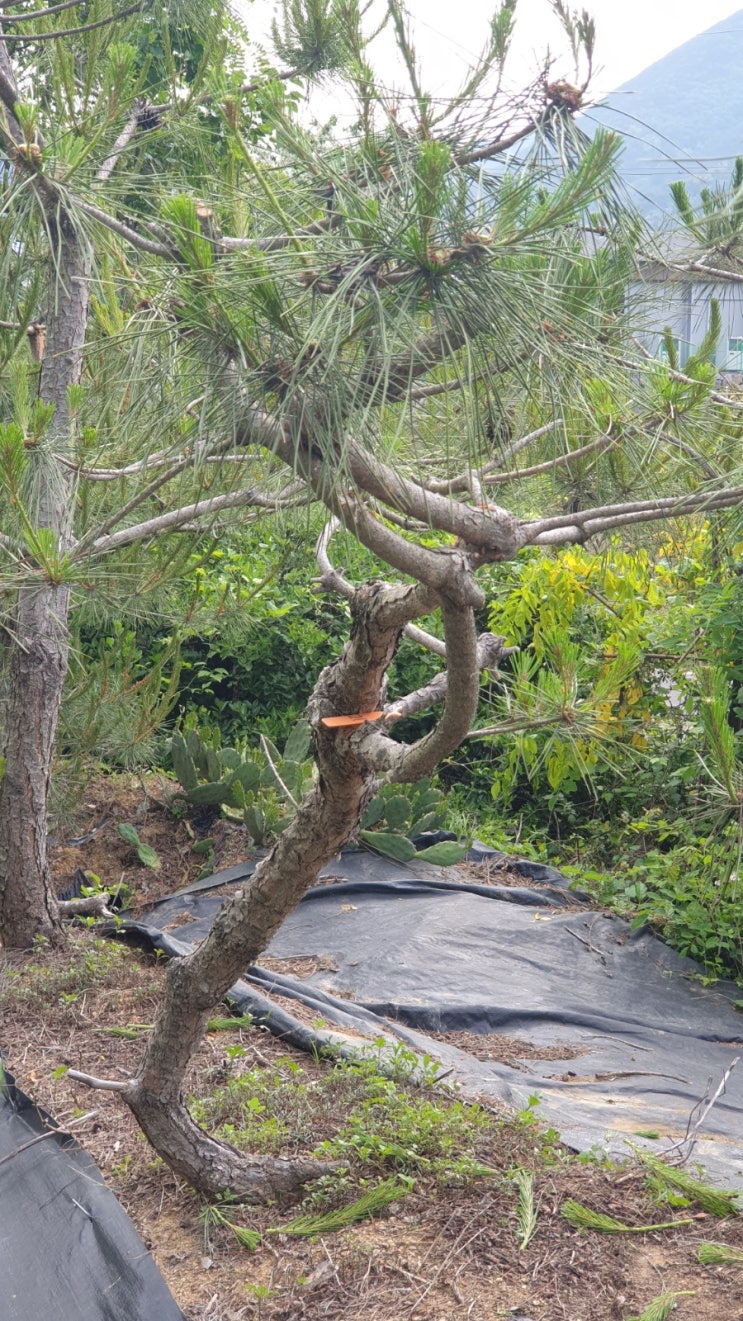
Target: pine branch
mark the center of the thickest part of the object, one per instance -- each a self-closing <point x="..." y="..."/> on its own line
<point x="649" y="363"/>
<point x="122" y="142"/>
<point x="412" y="762"/>
<point x="583" y="1218"/>
<point x="33" y="13"/>
<point x="518" y="474"/>
<point x="581" y="525"/>
<point x="493" y="533"/>
<point x="385" y="381"/>
<point x="97" y="535"/>
<point x="9" y="90"/>
<point x="333" y="581"/>
<point x="73" y="32"/>
<point x="527" y="1211"/>
<point x="437" y="569"/>
<point x="175" y="519"/>
<point x="124" y="231"/>
<point x="490" y="650"/>
<point x="720" y="1254"/>
<point x="450" y="486"/>
<point x="661" y="1307"/>
<point x="718" y="273"/>
<point x="497" y="148"/>
<point x="715" y="1201"/>
<point x="370" y="1203"/>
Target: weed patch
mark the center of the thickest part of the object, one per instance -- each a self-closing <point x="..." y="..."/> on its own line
<point x="372" y="1122"/>
<point x="54" y="977"/>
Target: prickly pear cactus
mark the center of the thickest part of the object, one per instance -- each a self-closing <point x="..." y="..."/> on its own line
<point x="183" y="762"/>
<point x="262" y="787"/>
<point x="401" y="813"/>
<point x="255" y="785"/>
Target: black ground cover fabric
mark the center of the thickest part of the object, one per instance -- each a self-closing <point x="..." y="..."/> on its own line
<point x="68" y="1251"/>
<point x="416" y="949"/>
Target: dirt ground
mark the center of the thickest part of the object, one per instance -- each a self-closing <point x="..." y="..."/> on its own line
<point x="441" y="1254"/>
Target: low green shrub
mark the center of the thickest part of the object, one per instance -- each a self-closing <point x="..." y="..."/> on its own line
<point x="380" y="1123"/>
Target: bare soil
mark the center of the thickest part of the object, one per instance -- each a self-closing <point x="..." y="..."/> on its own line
<point x="441" y="1254"/>
<point x="91" y="840"/>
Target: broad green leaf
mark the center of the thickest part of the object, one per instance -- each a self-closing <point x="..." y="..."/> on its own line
<point x="210" y="795"/>
<point x="272" y="751"/>
<point x="237" y="795"/>
<point x="203" y="846"/>
<point x="148" y="857"/>
<point x="397" y="811"/>
<point x="183" y="763"/>
<point x="445" y="854"/>
<point x="373" y="813"/>
<point x="427" y="822"/>
<point x="298" y="743"/>
<point x="291" y="774"/>
<point x="256" y="823"/>
<point x="428" y="801"/>
<point x="393" y="846"/>
<point x="129" y="834"/>
<point x="248" y="775"/>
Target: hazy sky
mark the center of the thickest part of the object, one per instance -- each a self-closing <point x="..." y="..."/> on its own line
<point x="631" y="34"/>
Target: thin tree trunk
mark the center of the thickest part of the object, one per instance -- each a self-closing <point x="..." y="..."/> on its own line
<point x="38" y="646"/>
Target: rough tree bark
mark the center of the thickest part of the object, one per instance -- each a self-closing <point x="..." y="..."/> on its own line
<point x="348" y="768"/>
<point x="38" y="649"/>
<point x="37" y="646"/>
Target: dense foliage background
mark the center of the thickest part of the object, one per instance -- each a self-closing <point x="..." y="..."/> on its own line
<point x="610" y="740"/>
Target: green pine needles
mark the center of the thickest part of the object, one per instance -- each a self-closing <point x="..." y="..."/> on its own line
<point x="660" y="1307"/>
<point x="369" y="1204"/>
<point x="583" y="1218"/>
<point x="212" y="1216"/>
<point x="715" y="1201"/>
<point x="527" y="1210"/>
<point x="719" y="1254"/>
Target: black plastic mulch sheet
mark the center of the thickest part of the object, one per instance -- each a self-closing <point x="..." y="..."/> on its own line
<point x="68" y="1251"/>
<point x="416" y="949"/>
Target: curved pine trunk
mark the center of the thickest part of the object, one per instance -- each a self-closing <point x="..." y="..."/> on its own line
<point x="325" y="821"/>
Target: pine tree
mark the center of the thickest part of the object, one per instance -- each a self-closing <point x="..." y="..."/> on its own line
<point x="405" y="324"/>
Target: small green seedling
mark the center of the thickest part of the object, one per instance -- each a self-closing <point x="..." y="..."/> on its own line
<point x="147" y="856"/>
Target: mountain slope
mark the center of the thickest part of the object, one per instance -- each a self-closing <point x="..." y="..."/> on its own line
<point x="682" y="118"/>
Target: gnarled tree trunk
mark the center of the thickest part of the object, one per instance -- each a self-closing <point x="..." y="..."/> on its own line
<point x="348" y="766"/>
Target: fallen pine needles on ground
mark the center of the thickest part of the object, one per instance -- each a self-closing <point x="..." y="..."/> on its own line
<point x="583" y="1218"/>
<point x="719" y="1254"/>
<point x="661" y="1307"/>
<point x="716" y="1201"/>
